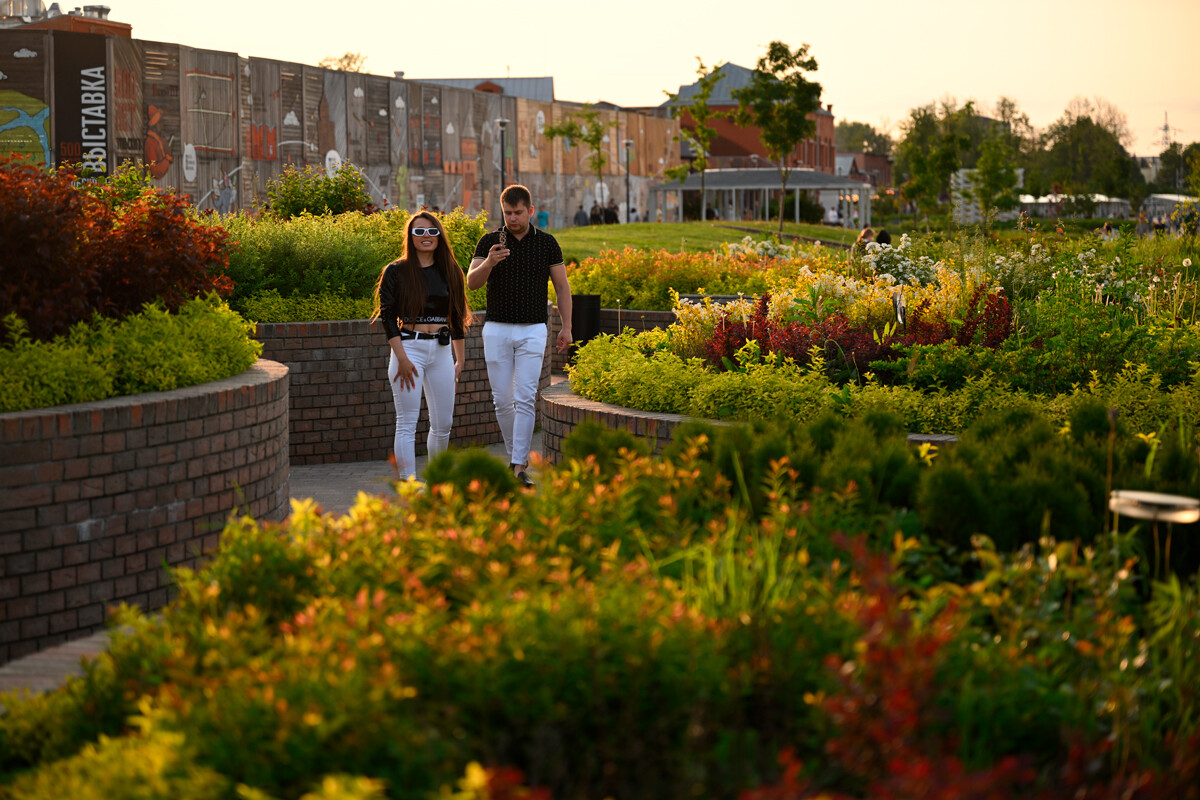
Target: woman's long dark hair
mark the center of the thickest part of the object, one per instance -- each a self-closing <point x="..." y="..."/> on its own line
<point x="412" y="287"/>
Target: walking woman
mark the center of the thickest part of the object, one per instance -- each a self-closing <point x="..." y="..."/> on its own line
<point x="421" y="299"/>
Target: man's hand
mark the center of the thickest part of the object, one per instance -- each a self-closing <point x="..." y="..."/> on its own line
<point x="496" y="254"/>
<point x="564" y="340"/>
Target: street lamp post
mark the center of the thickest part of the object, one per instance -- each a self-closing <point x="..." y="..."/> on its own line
<point x="503" y="125"/>
<point x="628" y="151"/>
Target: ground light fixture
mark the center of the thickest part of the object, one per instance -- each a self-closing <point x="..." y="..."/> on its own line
<point x="1156" y="507"/>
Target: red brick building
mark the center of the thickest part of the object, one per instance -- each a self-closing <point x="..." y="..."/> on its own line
<point x="735" y="146"/>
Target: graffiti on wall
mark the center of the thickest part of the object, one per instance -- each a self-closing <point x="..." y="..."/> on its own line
<point x="25" y="126"/>
<point x="220" y="127"/>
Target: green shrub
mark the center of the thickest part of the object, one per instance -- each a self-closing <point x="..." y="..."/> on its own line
<point x="312" y="191"/>
<point x="66" y="370"/>
<point x="590" y="439"/>
<point x="643" y="279"/>
<point x="269" y="306"/>
<point x="324" y="256"/>
<point x="160" y="765"/>
<point x="1012" y="477"/>
<point x="628" y="635"/>
<point x="148" y="352"/>
<point x="463" y="467"/>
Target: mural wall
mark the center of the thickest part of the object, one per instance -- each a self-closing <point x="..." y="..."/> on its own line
<point x="219" y="127"/>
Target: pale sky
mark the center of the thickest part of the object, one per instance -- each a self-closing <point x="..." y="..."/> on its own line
<point x="876" y="60"/>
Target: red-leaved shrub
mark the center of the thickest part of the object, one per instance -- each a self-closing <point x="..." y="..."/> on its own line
<point x="847" y="349"/>
<point x="68" y="254"/>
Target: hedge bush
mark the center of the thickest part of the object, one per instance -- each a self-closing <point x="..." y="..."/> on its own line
<point x="279" y="264"/>
<point x="651" y="630"/>
<point x="148" y="352"/>
<point x="312" y="191"/>
<point x="70" y="253"/>
<point x="639" y="370"/>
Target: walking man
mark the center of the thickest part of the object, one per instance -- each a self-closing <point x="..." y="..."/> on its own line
<point x="515" y="263"/>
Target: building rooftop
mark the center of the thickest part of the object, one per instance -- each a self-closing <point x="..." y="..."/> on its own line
<point x="733" y="76"/>
<point x="539" y="89"/>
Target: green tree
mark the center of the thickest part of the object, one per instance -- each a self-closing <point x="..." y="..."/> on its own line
<point x="701" y="134"/>
<point x="919" y="133"/>
<point x="1083" y="157"/>
<point x="1174" y="167"/>
<point x="861" y="137"/>
<point x="1193" y="160"/>
<point x="349" y="62"/>
<point x="995" y="178"/>
<point x="585" y="126"/>
<point x="933" y="149"/>
<point x="779" y="101"/>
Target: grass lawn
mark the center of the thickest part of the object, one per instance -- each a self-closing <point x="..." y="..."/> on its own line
<point x="580" y="243"/>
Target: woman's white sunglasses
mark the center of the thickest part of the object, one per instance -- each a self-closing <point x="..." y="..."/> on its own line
<point x="426" y="232"/>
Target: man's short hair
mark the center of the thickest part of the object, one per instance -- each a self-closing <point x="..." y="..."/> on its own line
<point x="515" y="195"/>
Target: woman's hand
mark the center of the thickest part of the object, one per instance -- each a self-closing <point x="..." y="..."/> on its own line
<point x="458" y="368"/>
<point x="406" y="374"/>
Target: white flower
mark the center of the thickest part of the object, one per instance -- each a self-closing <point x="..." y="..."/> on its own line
<point x="1187" y="262"/>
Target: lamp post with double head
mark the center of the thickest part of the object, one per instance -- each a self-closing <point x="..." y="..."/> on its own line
<point x="628" y="154"/>
<point x="503" y="125"/>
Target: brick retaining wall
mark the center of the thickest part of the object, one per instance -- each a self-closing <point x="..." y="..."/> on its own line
<point x="96" y="497"/>
<point x="562" y="410"/>
<point x="341" y="406"/>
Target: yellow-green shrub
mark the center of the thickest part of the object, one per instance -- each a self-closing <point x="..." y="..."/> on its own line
<point x="147" y="352"/>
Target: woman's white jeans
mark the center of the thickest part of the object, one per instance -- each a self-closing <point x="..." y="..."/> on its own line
<point x="514" y="354"/>
<point x="435" y="374"/>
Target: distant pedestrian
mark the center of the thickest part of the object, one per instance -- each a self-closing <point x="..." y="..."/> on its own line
<point x="633" y="215"/>
<point x="543" y="219"/>
<point x="610" y="213"/>
<point x="883" y="237"/>
<point x="860" y="244"/>
<point x="581" y="217"/>
<point x="597" y="215"/>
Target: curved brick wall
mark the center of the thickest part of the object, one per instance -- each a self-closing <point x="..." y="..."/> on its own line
<point x="95" y="497"/>
<point x="341" y="406"/>
<point x="562" y="410"/>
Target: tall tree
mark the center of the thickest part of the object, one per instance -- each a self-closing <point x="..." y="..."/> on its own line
<point x="1017" y="129"/>
<point x="995" y="178"/>
<point x="933" y="148"/>
<point x="778" y="101"/>
<point x="1173" y="167"/>
<point x="349" y="62"/>
<point x="1103" y="114"/>
<point x="701" y="134"/>
<point x="586" y="126"/>
<point x="861" y="137"/>
<point x="1083" y="157"/>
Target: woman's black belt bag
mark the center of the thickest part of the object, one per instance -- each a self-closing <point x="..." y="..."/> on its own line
<point x="442" y="336"/>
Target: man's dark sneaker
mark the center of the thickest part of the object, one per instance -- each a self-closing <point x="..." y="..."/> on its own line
<point x="525" y="480"/>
